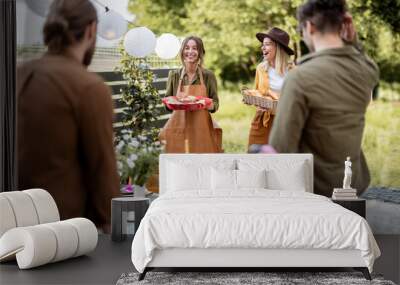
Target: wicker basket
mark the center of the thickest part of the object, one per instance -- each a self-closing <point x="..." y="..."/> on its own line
<point x="253" y="97"/>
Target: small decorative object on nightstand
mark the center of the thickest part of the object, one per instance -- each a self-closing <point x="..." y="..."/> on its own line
<point x="345" y="193"/>
<point x="355" y="205"/>
<point x="126" y="214"/>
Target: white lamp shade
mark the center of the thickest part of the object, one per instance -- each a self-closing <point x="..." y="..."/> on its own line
<point x="167" y="46"/>
<point x="139" y="42"/>
<point x="111" y="25"/>
<point x="39" y="7"/>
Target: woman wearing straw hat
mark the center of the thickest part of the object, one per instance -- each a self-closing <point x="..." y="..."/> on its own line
<point x="270" y="74"/>
<point x="192" y="131"/>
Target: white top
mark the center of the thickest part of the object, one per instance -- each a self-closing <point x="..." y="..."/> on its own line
<point x="275" y="80"/>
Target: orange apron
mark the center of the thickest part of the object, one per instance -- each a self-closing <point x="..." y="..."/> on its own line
<point x="261" y="127"/>
<point x="191" y="131"/>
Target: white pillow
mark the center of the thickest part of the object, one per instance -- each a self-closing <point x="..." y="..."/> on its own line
<point x="281" y="174"/>
<point x="223" y="179"/>
<point x="292" y="179"/>
<point x="184" y="177"/>
<point x="251" y="178"/>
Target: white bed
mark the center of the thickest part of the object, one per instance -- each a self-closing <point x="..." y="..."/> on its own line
<point x="247" y="210"/>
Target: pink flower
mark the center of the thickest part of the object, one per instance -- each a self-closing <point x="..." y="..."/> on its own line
<point x="128" y="188"/>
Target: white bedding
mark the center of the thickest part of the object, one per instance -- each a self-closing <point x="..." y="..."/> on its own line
<point x="252" y="218"/>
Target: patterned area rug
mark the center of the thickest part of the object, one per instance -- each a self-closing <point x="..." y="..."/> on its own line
<point x="243" y="278"/>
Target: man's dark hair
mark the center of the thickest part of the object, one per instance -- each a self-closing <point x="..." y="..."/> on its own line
<point x="325" y="15"/>
<point x="66" y="23"/>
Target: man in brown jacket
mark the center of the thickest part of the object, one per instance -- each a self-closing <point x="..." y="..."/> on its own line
<point x="324" y="100"/>
<point x="65" y="115"/>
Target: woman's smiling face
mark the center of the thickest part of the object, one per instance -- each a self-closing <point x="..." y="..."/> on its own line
<point x="268" y="49"/>
<point x="190" y="52"/>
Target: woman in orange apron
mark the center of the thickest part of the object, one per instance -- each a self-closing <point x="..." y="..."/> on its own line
<point x="270" y="75"/>
<point x="192" y="131"/>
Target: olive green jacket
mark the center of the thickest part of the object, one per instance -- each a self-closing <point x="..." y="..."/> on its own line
<point x="322" y="111"/>
<point x="209" y="81"/>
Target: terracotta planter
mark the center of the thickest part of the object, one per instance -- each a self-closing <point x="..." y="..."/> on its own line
<point x="152" y="183"/>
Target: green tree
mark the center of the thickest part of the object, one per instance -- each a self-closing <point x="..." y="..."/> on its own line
<point x="378" y="25"/>
<point x="160" y="15"/>
<point x="388" y="11"/>
<point x="228" y="29"/>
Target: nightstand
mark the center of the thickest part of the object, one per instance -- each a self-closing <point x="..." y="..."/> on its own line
<point x="126" y="215"/>
<point x="356" y="205"/>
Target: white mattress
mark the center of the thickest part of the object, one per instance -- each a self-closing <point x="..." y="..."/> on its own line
<point x="252" y="219"/>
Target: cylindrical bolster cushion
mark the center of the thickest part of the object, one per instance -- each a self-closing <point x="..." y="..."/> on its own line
<point x="23" y="208"/>
<point x="41" y="244"/>
<point x="45" y="205"/>
<point x="26" y="208"/>
<point x="33" y="246"/>
<point x="67" y="240"/>
<point x="7" y="218"/>
<point x="87" y="234"/>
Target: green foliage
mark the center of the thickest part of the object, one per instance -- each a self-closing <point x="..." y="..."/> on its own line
<point x="389" y="92"/>
<point x="140" y="97"/>
<point x="377" y="25"/>
<point x="380" y="142"/>
<point x="162" y="16"/>
<point x="228" y="29"/>
<point x="390" y="70"/>
<point x="136" y="157"/>
<point x="234" y="117"/>
<point x="389" y="12"/>
<point x="137" y="142"/>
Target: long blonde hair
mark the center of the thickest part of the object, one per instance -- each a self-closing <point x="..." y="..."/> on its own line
<point x="281" y="61"/>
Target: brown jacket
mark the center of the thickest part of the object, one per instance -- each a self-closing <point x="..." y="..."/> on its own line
<point x="65" y="137"/>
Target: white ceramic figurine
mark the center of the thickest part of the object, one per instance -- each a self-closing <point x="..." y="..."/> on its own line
<point x="347" y="174"/>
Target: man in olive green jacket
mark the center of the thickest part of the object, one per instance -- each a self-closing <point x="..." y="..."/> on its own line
<point x="324" y="100"/>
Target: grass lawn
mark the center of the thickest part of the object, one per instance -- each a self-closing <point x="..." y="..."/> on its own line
<point x="381" y="141"/>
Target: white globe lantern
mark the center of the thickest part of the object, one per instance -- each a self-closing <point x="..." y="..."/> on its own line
<point x="139" y="42"/>
<point x="167" y="46"/>
<point x="39" y="7"/>
<point x="111" y="25"/>
<point x="129" y="16"/>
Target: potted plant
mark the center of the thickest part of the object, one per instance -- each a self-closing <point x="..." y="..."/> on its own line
<point x="141" y="110"/>
<point x="137" y="158"/>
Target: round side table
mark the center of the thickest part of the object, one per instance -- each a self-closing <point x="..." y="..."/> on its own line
<point x="126" y="214"/>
